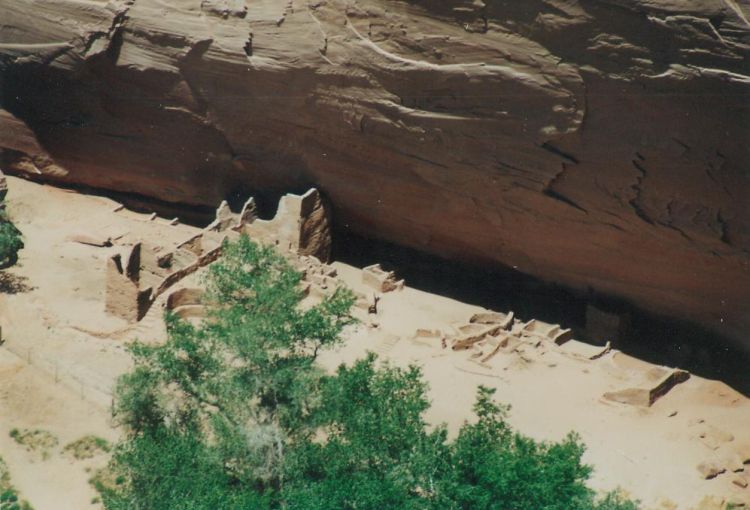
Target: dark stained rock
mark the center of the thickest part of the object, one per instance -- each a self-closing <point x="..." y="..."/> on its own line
<point x="3" y="187"/>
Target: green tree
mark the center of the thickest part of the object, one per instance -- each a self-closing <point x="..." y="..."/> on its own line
<point x="173" y="470"/>
<point x="374" y="450"/>
<point x="9" y="499"/>
<point x="495" y="468"/>
<point x="377" y="451"/>
<point x="235" y="414"/>
<point x="227" y="396"/>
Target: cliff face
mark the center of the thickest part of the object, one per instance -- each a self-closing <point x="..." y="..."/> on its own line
<point x="596" y="143"/>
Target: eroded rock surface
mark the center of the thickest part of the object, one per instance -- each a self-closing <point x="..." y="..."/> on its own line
<point x="596" y="143"/>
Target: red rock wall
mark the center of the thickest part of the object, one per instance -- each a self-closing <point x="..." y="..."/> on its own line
<point x="595" y="143"/>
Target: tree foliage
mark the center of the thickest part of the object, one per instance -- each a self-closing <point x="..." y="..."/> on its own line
<point x="230" y="394"/>
<point x="10" y="240"/>
<point x="377" y="451"/>
<point x="235" y="414"/>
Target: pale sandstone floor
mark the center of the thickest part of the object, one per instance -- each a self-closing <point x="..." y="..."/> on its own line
<point x="62" y="355"/>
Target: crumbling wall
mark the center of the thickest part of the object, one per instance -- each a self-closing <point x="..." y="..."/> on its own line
<point x="123" y="297"/>
<point x="137" y="278"/>
<point x="187" y="303"/>
<point x="380" y="280"/>
<point x="651" y="389"/>
<point x="302" y="225"/>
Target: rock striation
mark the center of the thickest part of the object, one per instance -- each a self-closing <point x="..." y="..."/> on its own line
<point x="599" y="144"/>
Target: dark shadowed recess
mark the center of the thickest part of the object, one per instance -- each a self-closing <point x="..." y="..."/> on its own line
<point x="649" y="337"/>
<point x="659" y="340"/>
<point x="195" y="215"/>
<point x="267" y="203"/>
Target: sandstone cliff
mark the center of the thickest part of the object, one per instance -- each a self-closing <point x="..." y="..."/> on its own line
<point x="600" y="144"/>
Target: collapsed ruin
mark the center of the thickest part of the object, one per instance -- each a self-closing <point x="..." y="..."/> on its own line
<point x="655" y="383"/>
<point x="125" y="297"/>
<point x="140" y="273"/>
<point x="302" y="225"/>
<point x="380" y="280"/>
<point x="187" y="303"/>
<point x="488" y="334"/>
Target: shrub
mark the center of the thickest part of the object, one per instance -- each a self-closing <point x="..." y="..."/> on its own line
<point x="87" y="447"/>
<point x="10" y="241"/>
<point x="35" y="440"/>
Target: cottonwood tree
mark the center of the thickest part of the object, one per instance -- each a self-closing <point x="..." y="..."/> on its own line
<point x="235" y="414"/>
<point x="378" y="452"/>
<point x="242" y="385"/>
